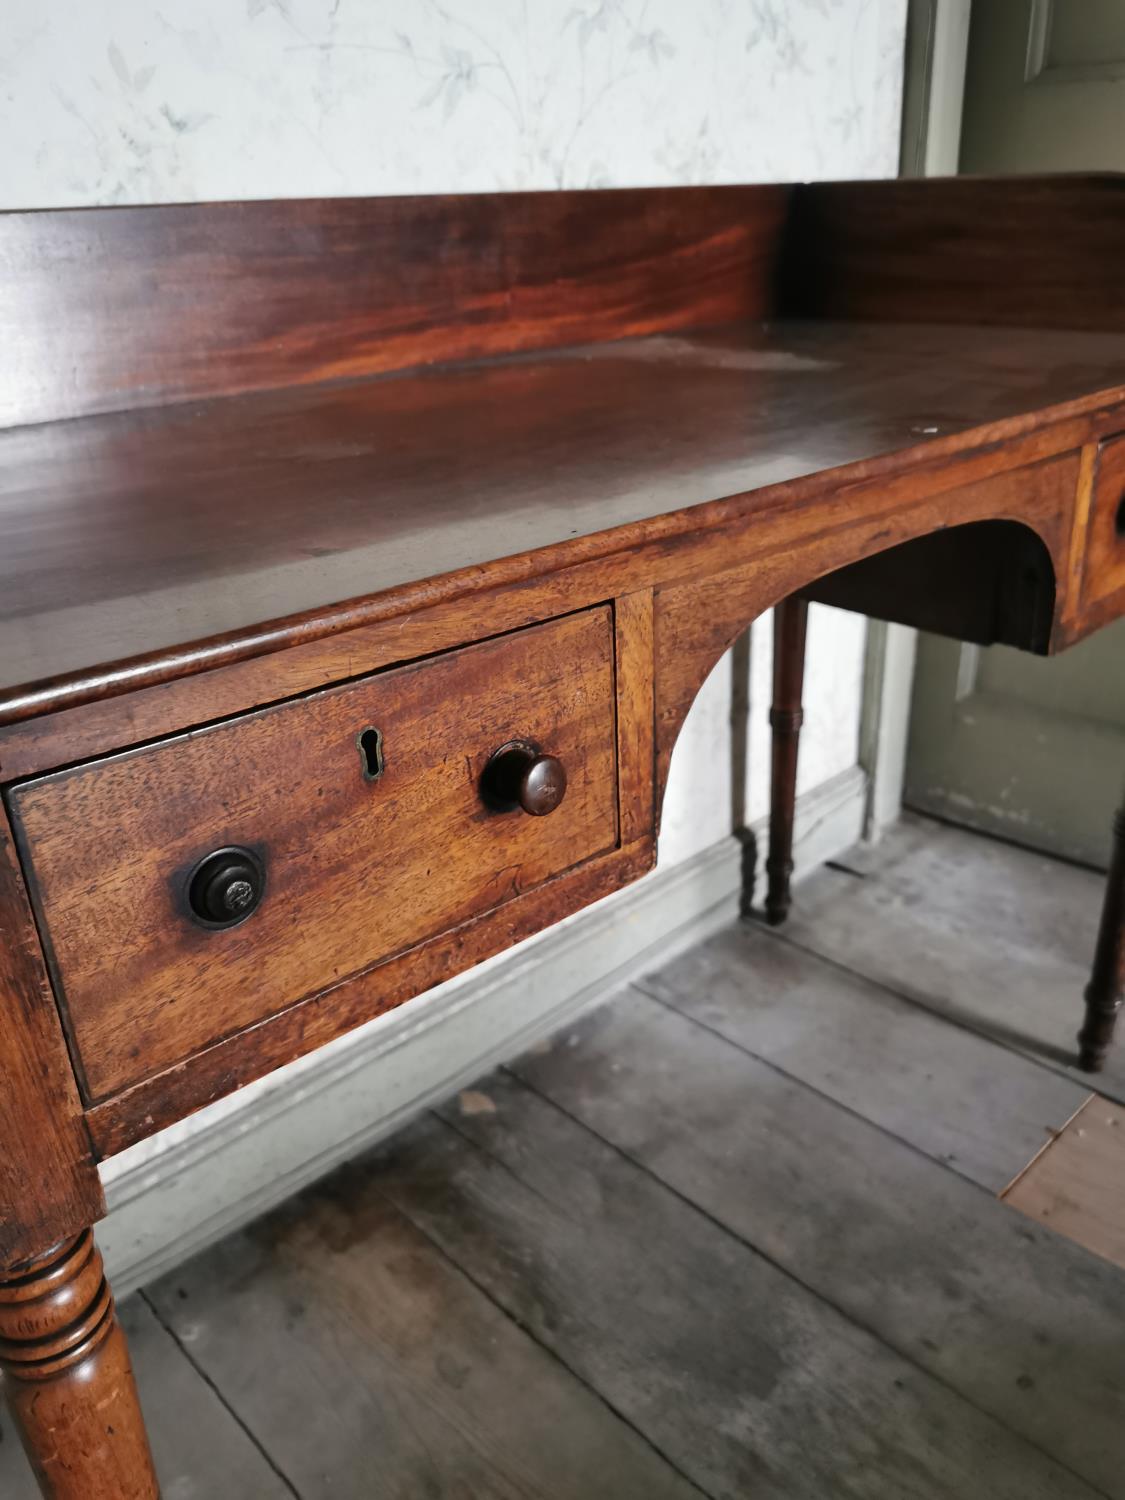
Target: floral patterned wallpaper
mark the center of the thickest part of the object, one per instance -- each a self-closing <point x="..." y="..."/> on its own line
<point x="128" y="101"/>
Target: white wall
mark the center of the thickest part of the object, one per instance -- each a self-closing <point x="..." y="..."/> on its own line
<point x="125" y="101"/>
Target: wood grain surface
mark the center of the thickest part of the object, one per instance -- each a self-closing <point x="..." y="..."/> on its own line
<point x="962" y="1099"/>
<point x="1104" y="572"/>
<point x="151" y="530"/>
<point x="703" y="1342"/>
<point x="356" y="870"/>
<point x="266" y="294"/>
<point x="1076" y="1184"/>
<point x="791" y="534"/>
<point x="909" y="1252"/>
<point x="238" y="1059"/>
<point x="369" y="1365"/>
<point x="635" y="715"/>
<point x="262" y="294"/>
<point x="697" y="621"/>
<point x="69" y="1380"/>
<point x="49" y="1185"/>
<point x="1032" y="252"/>
<point x="274" y="476"/>
<point x="991" y="582"/>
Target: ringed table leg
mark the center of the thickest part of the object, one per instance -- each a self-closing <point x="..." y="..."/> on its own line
<point x="786" y="717"/>
<point x="1107" y="980"/>
<point x="68" y="1378"/>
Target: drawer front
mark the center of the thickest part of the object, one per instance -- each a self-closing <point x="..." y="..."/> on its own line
<point x="1104" y="573"/>
<point x="363" y="846"/>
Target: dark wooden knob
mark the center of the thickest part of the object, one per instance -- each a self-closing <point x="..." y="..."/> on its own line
<point x="226" y="887"/>
<point x="520" y="775"/>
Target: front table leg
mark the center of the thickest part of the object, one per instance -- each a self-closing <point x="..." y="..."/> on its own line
<point x="68" y="1378"/>
<point x="1107" y="981"/>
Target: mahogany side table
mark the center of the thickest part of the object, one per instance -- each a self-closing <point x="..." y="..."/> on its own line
<point x="361" y="559"/>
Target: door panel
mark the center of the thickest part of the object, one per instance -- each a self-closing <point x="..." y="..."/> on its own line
<point x="1017" y="745"/>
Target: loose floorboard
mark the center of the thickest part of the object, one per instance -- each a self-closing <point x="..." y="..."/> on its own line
<point x="1076" y="1185"/>
<point x="734" y="1235"/>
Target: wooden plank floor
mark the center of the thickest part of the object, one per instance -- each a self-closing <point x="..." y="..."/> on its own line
<point x="1076" y="1184"/>
<point x="995" y="938"/>
<point x="738" y="1233"/>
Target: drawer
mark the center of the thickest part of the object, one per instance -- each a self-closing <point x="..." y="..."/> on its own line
<point x="359" y="812"/>
<point x="1104" y="571"/>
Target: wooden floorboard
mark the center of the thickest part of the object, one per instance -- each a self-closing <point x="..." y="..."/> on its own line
<point x="961" y="1098"/>
<point x="751" y="1383"/>
<point x="994" y="937"/>
<point x="1026" y="1326"/>
<point x="371" y="1369"/>
<point x="200" y="1450"/>
<point x="1076" y="1185"/>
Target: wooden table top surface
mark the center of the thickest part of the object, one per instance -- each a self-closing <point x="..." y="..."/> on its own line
<point x="133" y="531"/>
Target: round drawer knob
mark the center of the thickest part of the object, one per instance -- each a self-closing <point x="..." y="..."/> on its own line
<point x="519" y="775"/>
<point x="226" y="887"/>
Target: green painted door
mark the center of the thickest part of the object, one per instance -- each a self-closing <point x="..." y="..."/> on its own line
<point x="1028" y="748"/>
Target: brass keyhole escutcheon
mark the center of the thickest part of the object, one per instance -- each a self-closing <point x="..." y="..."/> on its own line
<point x="370" y="744"/>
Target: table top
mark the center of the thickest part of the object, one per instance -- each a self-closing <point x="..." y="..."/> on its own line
<point x="128" y="532"/>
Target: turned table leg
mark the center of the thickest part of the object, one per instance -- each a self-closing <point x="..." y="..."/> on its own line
<point x="68" y="1378"/>
<point x="786" y="716"/>
<point x="1107" y="980"/>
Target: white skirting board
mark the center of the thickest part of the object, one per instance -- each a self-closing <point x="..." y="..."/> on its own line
<point x="356" y="1091"/>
